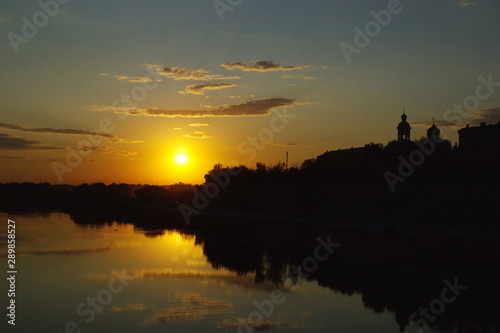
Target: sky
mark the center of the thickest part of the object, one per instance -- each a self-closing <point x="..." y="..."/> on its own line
<point x="157" y="92"/>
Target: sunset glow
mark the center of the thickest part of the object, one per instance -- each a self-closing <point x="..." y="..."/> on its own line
<point x="181" y="159"/>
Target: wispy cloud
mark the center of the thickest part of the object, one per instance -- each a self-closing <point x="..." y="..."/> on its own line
<point x="179" y="73"/>
<point x="489" y="116"/>
<point x="133" y="78"/>
<point x="67" y="131"/>
<point x="193" y="307"/>
<point x="260" y="325"/>
<point x="289" y="76"/>
<point x="261" y="66"/>
<point x="7" y="157"/>
<point x="199" y="89"/>
<point x="108" y="150"/>
<point x="198" y="135"/>
<point x="8" y="142"/>
<point x="467" y="3"/>
<point x="129" y="110"/>
<point x="129" y="307"/>
<point x="282" y="144"/>
<point x="199" y="125"/>
<point x="251" y="108"/>
<point x="4" y="18"/>
<point x="439" y="123"/>
<point x="104" y="248"/>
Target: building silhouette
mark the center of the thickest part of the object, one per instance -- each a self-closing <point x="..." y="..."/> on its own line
<point x="483" y="139"/>
<point x="404" y="128"/>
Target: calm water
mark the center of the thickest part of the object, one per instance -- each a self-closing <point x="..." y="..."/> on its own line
<point x="167" y="285"/>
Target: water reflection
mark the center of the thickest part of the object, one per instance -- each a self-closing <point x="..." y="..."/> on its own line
<point x="396" y="273"/>
<point x="208" y="276"/>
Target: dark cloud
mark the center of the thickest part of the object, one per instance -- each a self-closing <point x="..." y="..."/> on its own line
<point x="179" y="73"/>
<point x="489" y="116"/>
<point x="8" y="142"/>
<point x="251" y="108"/>
<point x="107" y="150"/>
<point x="282" y="144"/>
<point x="261" y="66"/>
<point x="12" y="157"/>
<point x="199" y="89"/>
<point x="104" y="248"/>
<point x="46" y="130"/>
<point x="260" y="325"/>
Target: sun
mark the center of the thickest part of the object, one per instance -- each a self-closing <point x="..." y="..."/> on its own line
<point x="181" y="159"/>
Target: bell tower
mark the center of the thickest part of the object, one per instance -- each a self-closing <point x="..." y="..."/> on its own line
<point x="403" y="128"/>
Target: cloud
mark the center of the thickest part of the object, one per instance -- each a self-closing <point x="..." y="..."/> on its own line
<point x="133" y="78"/>
<point x="259" y="325"/>
<point x="467" y="3"/>
<point x="252" y="108"/>
<point x="438" y="123"/>
<point x="199" y="89"/>
<point x="104" y="248"/>
<point x="199" y="125"/>
<point x="282" y="144"/>
<point x="7" y="157"/>
<point x="179" y="73"/>
<point x="107" y="150"/>
<point x="129" y="110"/>
<point x="198" y="135"/>
<point x="67" y="131"/>
<point x="488" y="116"/>
<point x="288" y="76"/>
<point x="491" y="115"/>
<point x="261" y="66"/>
<point x="129" y="307"/>
<point x="193" y="307"/>
<point x="8" y="142"/>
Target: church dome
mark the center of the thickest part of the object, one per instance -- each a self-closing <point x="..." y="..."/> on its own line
<point x="433" y="130"/>
<point x="404" y="124"/>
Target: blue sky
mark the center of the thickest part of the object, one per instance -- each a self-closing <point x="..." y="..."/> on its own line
<point x="427" y="59"/>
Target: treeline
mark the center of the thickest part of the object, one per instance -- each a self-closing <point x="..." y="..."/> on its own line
<point x="46" y="197"/>
<point x="400" y="181"/>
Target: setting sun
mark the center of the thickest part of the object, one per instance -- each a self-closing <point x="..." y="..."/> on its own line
<point x="181" y="159"/>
